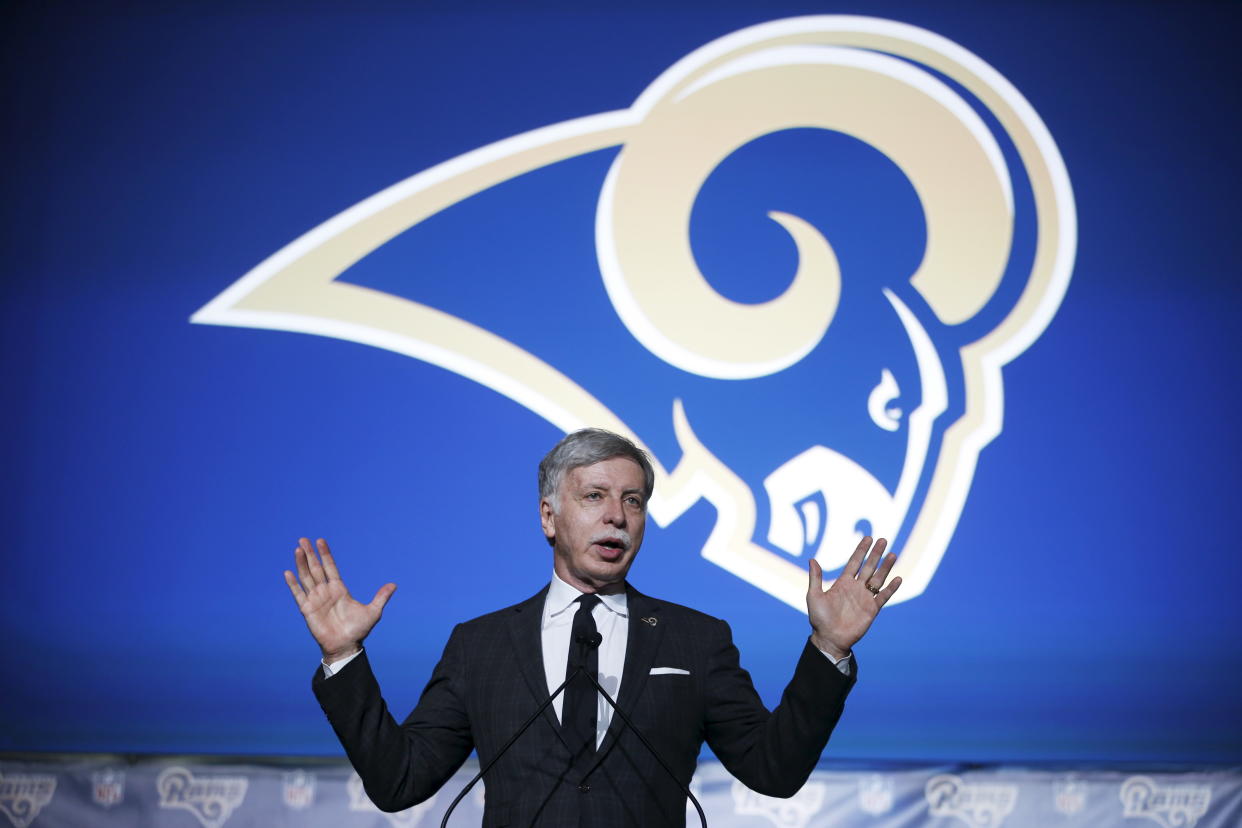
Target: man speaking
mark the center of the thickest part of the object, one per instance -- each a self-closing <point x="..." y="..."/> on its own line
<point x="673" y="671"/>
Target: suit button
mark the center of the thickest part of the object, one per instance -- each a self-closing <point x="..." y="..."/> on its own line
<point x="584" y="787"/>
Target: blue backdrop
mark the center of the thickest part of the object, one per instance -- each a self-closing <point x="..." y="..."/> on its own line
<point x="157" y="473"/>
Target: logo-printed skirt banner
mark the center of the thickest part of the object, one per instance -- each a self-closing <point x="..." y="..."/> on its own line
<point x="174" y="794"/>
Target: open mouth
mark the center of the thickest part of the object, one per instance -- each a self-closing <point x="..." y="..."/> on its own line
<point x="610" y="547"/>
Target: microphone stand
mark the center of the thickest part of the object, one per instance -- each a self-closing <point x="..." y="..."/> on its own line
<point x="591" y="642"/>
<point x="650" y="748"/>
<point x="485" y="768"/>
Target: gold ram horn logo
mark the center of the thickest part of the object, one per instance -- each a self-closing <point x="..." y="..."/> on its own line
<point x="861" y="76"/>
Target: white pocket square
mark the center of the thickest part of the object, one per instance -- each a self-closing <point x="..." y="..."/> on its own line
<point x="669" y="671"/>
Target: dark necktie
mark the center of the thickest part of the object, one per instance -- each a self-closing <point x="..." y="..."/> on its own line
<point x="578" y="719"/>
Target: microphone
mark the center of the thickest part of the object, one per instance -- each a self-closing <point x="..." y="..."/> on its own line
<point x="591" y="641"/>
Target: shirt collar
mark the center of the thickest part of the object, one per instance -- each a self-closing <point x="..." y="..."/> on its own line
<point x="561" y="597"/>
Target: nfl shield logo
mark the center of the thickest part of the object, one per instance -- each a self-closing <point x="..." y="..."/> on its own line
<point x="108" y="787"/>
<point x="1069" y="796"/>
<point x="875" y="794"/>
<point x="299" y="790"/>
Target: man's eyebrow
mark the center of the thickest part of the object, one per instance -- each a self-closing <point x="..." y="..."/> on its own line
<point x="606" y="488"/>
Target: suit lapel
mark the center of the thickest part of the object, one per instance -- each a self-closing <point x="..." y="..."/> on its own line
<point x="526" y="636"/>
<point x="642" y="644"/>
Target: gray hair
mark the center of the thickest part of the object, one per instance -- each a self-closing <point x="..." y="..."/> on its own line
<point x="586" y="447"/>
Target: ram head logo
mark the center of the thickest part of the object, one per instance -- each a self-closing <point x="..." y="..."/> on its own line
<point x="855" y="401"/>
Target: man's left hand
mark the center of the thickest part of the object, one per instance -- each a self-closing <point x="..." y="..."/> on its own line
<point x="842" y="614"/>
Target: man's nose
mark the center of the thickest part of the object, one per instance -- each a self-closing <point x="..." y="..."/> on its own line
<point x="614" y="514"/>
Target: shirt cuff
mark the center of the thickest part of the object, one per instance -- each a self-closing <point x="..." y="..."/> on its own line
<point x="842" y="663"/>
<point x="330" y="670"/>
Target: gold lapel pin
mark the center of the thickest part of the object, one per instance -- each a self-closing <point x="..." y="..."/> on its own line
<point x="650" y="619"/>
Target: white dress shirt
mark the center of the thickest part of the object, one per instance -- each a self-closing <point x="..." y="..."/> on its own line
<point x="613" y="623"/>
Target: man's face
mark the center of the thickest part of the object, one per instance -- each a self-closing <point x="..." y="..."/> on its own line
<point x="598" y="525"/>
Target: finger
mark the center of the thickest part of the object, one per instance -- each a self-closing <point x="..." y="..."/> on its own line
<point x="381" y="597"/>
<point x="300" y="556"/>
<point x="329" y="563"/>
<point x="873" y="560"/>
<point x="886" y="566"/>
<point x="855" y="561"/>
<point x="299" y="594"/>
<point x="312" y="561"/>
<point x="888" y="591"/>
<point x="815" y="578"/>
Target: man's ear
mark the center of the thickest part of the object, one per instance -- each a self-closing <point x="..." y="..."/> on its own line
<point x="546" y="518"/>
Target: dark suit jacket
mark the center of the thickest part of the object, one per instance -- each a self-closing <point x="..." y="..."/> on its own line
<point x="491" y="679"/>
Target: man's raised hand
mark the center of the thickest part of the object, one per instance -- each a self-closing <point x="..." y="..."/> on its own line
<point x="336" y="620"/>
<point x="841" y="614"/>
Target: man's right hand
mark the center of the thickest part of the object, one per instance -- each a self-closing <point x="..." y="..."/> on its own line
<point x="336" y="620"/>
